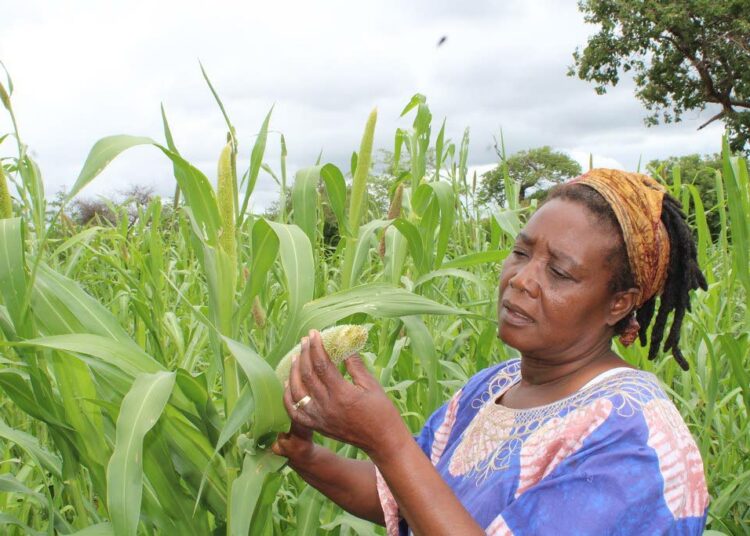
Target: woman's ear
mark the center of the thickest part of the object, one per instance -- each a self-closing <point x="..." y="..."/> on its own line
<point x="623" y="302"/>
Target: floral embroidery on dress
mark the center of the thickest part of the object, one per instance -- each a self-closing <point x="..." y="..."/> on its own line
<point x="497" y="433"/>
<point x="489" y="430"/>
<point x="590" y="463"/>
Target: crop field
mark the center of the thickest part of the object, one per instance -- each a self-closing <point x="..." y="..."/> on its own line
<point x="137" y="385"/>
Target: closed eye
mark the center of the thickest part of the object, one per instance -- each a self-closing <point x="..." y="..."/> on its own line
<point x="558" y="273"/>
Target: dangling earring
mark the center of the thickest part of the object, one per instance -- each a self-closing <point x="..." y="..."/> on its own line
<point x="630" y="333"/>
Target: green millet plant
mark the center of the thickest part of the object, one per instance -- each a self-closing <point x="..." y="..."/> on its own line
<point x="225" y="199"/>
<point x="340" y="342"/>
<point x="6" y="207"/>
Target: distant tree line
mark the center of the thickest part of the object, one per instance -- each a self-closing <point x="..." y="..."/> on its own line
<point x="535" y="171"/>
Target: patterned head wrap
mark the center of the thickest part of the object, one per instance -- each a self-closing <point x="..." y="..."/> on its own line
<point x="636" y="200"/>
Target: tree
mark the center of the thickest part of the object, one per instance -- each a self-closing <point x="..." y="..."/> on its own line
<point x="86" y="211"/>
<point x="685" y="55"/>
<point x="535" y="170"/>
<point x="700" y="171"/>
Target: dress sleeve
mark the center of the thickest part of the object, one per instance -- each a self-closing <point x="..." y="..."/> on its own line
<point x="635" y="476"/>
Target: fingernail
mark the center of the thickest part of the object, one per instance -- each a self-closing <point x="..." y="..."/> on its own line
<point x="286" y="383"/>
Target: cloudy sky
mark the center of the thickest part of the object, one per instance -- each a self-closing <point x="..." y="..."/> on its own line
<point x="87" y="69"/>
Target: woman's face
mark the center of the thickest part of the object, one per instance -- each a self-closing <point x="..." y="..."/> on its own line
<point x="554" y="297"/>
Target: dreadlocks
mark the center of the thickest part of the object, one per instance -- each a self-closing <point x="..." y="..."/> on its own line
<point x="683" y="272"/>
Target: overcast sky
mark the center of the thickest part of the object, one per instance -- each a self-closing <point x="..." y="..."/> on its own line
<point x="87" y="69"/>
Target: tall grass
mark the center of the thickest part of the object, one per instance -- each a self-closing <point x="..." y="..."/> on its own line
<point x="136" y="360"/>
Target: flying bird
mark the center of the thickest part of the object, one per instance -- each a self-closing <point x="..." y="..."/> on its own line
<point x="442" y="40"/>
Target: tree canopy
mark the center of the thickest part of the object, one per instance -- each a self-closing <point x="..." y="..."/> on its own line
<point x="535" y="170"/>
<point x="684" y="54"/>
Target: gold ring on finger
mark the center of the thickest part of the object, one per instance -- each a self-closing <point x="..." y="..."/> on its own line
<point x="302" y="402"/>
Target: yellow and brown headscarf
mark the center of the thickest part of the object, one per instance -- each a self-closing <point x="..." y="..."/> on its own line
<point x="636" y="200"/>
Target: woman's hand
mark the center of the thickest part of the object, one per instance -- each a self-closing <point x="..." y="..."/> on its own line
<point x="361" y="414"/>
<point x="297" y="444"/>
<point x="358" y="413"/>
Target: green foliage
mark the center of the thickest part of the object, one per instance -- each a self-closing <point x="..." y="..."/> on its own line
<point x="6" y="204"/>
<point x="684" y="55"/>
<point x="225" y="188"/>
<point x="533" y="170"/>
<point x="698" y="170"/>
<point x="138" y="384"/>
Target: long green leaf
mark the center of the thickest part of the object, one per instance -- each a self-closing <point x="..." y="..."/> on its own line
<point x="126" y="356"/>
<point x="259" y="472"/>
<point x="199" y="195"/>
<point x="101" y="154"/>
<point x="474" y="259"/>
<point x="17" y="387"/>
<point x="448" y="272"/>
<point x="140" y="410"/>
<point x="242" y="414"/>
<point x="297" y="262"/>
<point x="198" y="192"/>
<point x="423" y="348"/>
<point x="446" y="201"/>
<point x="366" y="234"/>
<point x="265" y="249"/>
<point x="61" y="307"/>
<point x="193" y="455"/>
<point x="270" y="415"/>
<point x="416" y="246"/>
<point x="100" y="529"/>
<point x="12" y="269"/>
<point x="509" y="222"/>
<point x="305" y="200"/>
<point x="309" y="504"/>
<point x="376" y="299"/>
<point x="738" y="204"/>
<point x="336" y="190"/>
<point x="396" y="249"/>
<point x="256" y="160"/>
<point x="31" y="445"/>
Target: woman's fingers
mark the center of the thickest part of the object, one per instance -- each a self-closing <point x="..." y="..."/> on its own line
<point x="289" y="399"/>
<point x="313" y="374"/>
<point x="295" y="444"/>
<point x="359" y="373"/>
<point x="319" y="374"/>
<point x="296" y="387"/>
<point x="298" y="415"/>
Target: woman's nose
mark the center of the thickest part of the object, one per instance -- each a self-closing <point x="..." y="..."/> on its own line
<point x="524" y="280"/>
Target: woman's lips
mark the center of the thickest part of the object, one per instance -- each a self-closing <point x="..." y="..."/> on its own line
<point x="514" y="318"/>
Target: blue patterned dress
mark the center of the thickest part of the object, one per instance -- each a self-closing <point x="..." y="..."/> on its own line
<point x="613" y="458"/>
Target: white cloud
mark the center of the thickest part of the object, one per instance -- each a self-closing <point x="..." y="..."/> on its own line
<point x="586" y="160"/>
<point x="87" y="69"/>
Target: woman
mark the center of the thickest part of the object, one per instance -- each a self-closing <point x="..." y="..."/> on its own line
<point x="568" y="439"/>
